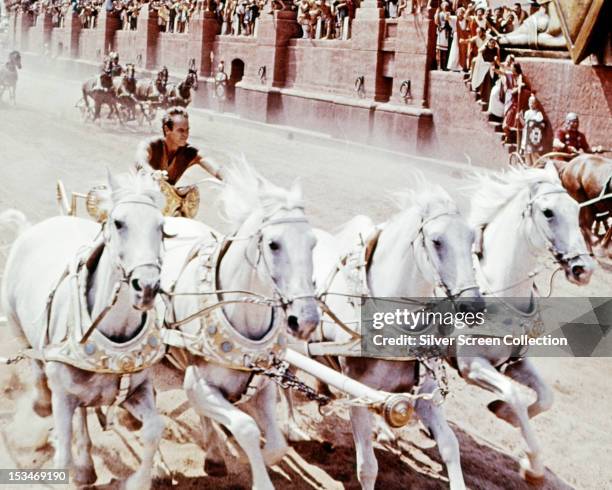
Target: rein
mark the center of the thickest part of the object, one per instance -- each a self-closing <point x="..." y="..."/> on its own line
<point x="250" y="297"/>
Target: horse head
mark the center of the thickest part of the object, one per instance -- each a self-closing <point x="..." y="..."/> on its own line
<point x="554" y="218"/>
<point x="192" y="79"/>
<point x="162" y="79"/>
<point x="441" y="246"/>
<point x="279" y="243"/>
<point x="15" y="58"/>
<point x="528" y="210"/>
<point x="129" y="77"/>
<point x="133" y="235"/>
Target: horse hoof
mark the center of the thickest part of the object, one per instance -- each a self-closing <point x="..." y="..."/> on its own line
<point x="85" y="476"/>
<point x="529" y="475"/>
<point x="215" y="468"/>
<point x="504" y="411"/>
<point x="42" y="409"/>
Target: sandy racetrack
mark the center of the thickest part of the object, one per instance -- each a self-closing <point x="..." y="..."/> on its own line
<point x="42" y="139"/>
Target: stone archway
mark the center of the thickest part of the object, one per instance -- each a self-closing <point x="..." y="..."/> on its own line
<point x="236" y="74"/>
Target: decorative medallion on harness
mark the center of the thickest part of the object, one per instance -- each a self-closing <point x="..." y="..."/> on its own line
<point x="216" y="339"/>
<point x="98" y="353"/>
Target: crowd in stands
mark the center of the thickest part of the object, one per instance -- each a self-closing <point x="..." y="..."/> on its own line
<point x="467" y="41"/>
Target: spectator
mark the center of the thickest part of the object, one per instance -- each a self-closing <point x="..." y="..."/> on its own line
<point x="457" y="58"/>
<point x="443" y="29"/>
<point x="483" y="74"/>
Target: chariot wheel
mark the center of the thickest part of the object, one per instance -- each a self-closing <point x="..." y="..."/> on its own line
<point x="516" y="160"/>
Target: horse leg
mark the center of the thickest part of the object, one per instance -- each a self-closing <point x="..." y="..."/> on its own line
<point x="263" y="405"/>
<point x="367" y="465"/>
<point x="84" y="470"/>
<point x="97" y="108"/>
<point x="209" y="401"/>
<point x="63" y="406"/>
<point x="524" y="372"/>
<point x="141" y="405"/>
<point x="294" y="432"/>
<point x="434" y="419"/>
<point x="480" y="372"/>
<point x="214" y="461"/>
<point x="42" y="395"/>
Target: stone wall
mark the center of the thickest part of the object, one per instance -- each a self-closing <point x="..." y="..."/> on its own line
<point x="279" y="78"/>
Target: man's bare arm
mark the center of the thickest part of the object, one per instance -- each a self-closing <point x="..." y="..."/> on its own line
<point x="208" y="165"/>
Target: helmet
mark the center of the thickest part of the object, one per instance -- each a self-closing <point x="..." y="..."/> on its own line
<point x="571" y="117"/>
<point x="114" y="56"/>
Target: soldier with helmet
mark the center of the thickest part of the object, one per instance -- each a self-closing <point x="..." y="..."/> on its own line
<point x="568" y="139"/>
<point x="113" y="60"/>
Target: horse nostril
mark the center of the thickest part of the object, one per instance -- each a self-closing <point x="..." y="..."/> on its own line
<point x="136" y="285"/>
<point x="292" y="321"/>
<point x="577" y="270"/>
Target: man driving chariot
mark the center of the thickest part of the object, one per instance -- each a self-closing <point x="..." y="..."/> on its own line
<point x="173" y="155"/>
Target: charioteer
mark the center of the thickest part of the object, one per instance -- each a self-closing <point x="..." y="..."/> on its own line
<point x="568" y="139"/>
<point x="173" y="155"/>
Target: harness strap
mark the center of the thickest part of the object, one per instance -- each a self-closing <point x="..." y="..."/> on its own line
<point x="124" y="391"/>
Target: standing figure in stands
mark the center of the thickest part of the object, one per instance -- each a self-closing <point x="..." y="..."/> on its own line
<point x="328" y="19"/>
<point x="568" y="139"/>
<point x="483" y="74"/>
<point x="474" y="44"/>
<point x="457" y="58"/>
<point x="444" y="32"/>
<point x="303" y="17"/>
<point x="514" y="85"/>
<point x="497" y="99"/>
<point x="532" y="140"/>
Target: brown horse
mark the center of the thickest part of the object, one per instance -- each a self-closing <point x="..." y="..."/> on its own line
<point x="180" y="95"/>
<point x="154" y="91"/>
<point x="100" y="90"/>
<point x="588" y="177"/>
<point x="125" y="90"/>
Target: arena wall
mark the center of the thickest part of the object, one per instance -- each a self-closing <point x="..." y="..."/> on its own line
<point x="376" y="87"/>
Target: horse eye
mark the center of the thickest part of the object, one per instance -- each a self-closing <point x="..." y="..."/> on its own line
<point x="119" y="224"/>
<point x="548" y="214"/>
<point x="437" y="243"/>
<point x="273" y="245"/>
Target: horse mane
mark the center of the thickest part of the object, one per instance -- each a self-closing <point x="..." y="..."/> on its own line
<point x="494" y="191"/>
<point x="244" y="191"/>
<point x="131" y="184"/>
<point x="428" y="199"/>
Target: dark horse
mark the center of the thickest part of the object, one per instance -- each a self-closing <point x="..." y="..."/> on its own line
<point x="8" y="75"/>
<point x="125" y="90"/>
<point x="589" y="177"/>
<point x="100" y="89"/>
<point x="180" y="95"/>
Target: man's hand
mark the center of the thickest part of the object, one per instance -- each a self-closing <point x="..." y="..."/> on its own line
<point x="159" y="175"/>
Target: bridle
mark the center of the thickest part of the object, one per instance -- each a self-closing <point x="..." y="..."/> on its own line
<point x="439" y="283"/>
<point x="257" y="237"/>
<point x="562" y="258"/>
<point x="126" y="273"/>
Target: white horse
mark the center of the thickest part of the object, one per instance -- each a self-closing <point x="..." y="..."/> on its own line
<point x="427" y="246"/>
<point x="65" y="276"/>
<point x="270" y="256"/>
<point x="527" y="216"/>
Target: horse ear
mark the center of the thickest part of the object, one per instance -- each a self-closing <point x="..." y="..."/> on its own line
<point x="551" y="169"/>
<point x="113" y="185"/>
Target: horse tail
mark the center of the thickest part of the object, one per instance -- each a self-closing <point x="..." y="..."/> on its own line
<point x="15" y="219"/>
